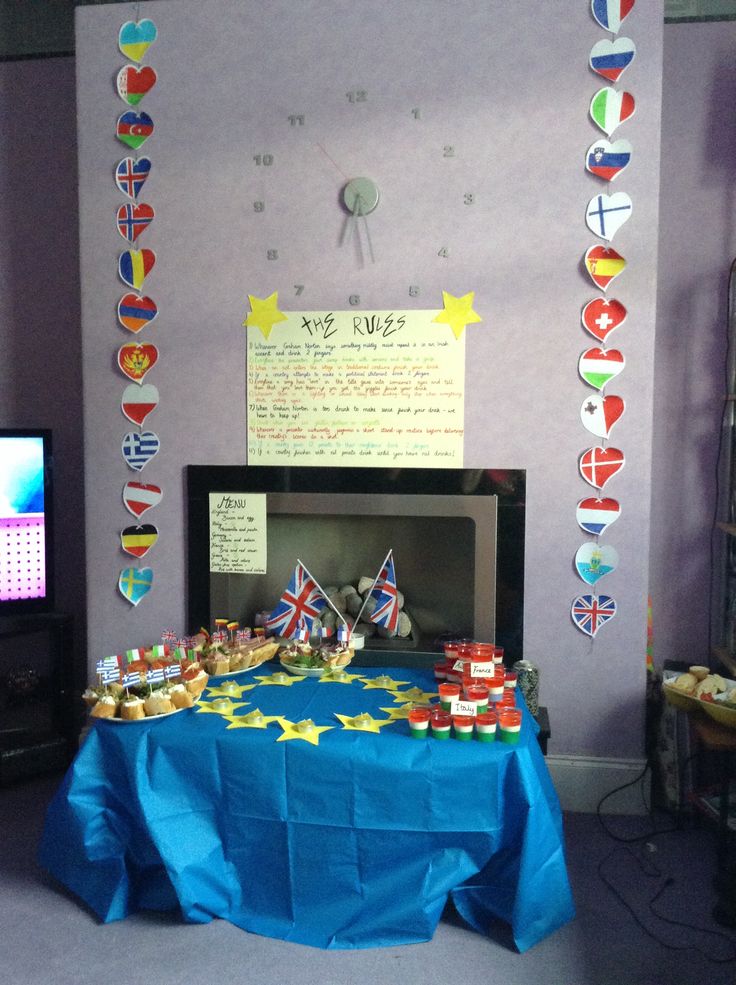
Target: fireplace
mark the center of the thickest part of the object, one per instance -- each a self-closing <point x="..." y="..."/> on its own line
<point x="457" y="537"/>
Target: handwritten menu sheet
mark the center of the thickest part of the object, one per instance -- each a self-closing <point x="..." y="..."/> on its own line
<point x="368" y="388"/>
<point x="238" y="533"/>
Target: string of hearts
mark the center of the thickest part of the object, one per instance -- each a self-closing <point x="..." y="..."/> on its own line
<point x="605" y="214"/>
<point x="136" y="311"/>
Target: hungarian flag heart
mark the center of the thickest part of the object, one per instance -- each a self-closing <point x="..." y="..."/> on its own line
<point x="134" y="359"/>
<point x="135" y="312"/>
<point x="133" y="220"/>
<point x="139" y="497"/>
<point x="138" y="541"/>
<point x="598" y="366"/>
<point x="603" y="264"/>
<point x="596" y="515"/>
<point x="134" y="266"/>
<point x="599" y="414"/>
<point x="139" y="400"/>
<point x="598" y="465"/>
<point x="134" y="129"/>
<point x="600" y="317"/>
<point x="133" y="83"/>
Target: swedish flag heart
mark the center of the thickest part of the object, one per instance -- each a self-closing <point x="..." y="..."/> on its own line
<point x="135" y="39"/>
<point x="135" y="583"/>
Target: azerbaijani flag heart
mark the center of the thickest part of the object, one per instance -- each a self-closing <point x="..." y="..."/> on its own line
<point x="598" y="366"/>
<point x="607" y="160"/>
<point x="590" y="612"/>
<point x="133" y="219"/>
<point x="139" y="400"/>
<point x="603" y="264"/>
<point x="135" y="39"/>
<point x="598" y="465"/>
<point x="131" y="174"/>
<point x="596" y="515"/>
<point x="600" y="317"/>
<point x="138" y="541"/>
<point x="609" y="108"/>
<point x="599" y="414"/>
<point x="134" y="129"/>
<point x="611" y="58"/>
<point x="606" y="214"/>
<point x="139" y="497"/>
<point x="135" y="359"/>
<point x="593" y="561"/>
<point x="135" y="312"/>
<point x="134" y="266"/>
<point x="139" y="449"/>
<point x="133" y="83"/>
<point x="135" y="583"/>
<point x="611" y="14"/>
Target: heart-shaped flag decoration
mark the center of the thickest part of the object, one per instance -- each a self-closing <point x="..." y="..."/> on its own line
<point x="600" y="317"/>
<point x="596" y="515"/>
<point x="134" y="129"/>
<point x="133" y="83"/>
<point x="135" y="312"/>
<point x="139" y="449"/>
<point x="606" y="214"/>
<point x="135" y="359"/>
<point x="133" y="219"/>
<point x="131" y="174"/>
<point x="139" y="400"/>
<point x="603" y="264"/>
<point x="593" y="561"/>
<point x="606" y="159"/>
<point x="598" y="366"/>
<point x="609" y="108"/>
<point x="590" y="612"/>
<point x="139" y="497"/>
<point x="138" y="541"/>
<point x="135" y="265"/>
<point x="135" y="583"/>
<point x="599" y="414"/>
<point x="611" y="14"/>
<point x="598" y="465"/>
<point x="611" y="58"/>
<point x="135" y="39"/>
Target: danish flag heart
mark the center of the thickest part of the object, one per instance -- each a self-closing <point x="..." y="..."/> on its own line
<point x="139" y="400"/>
<point x="599" y="414"/>
<point x="139" y="497"/>
<point x="135" y="39"/>
<point x="611" y="14"/>
<point x="603" y="264"/>
<point x="131" y="174"/>
<point x="590" y="612"/>
<point x="600" y="317"/>
<point x="139" y="540"/>
<point x="606" y="214"/>
<point x="609" y="108"/>
<point x="133" y="83"/>
<point x="135" y="265"/>
<point x="133" y="220"/>
<point x="611" y="58"/>
<point x="596" y="515"/>
<point x="593" y="561"/>
<point x="135" y="359"/>
<point x="139" y="449"/>
<point x="135" y="312"/>
<point x="134" y="129"/>
<point x="598" y="465"/>
<point x="607" y="160"/>
<point x="598" y="366"/>
<point x="135" y="583"/>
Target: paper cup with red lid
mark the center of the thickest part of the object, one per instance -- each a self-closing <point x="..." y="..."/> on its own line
<point x="419" y="722"/>
<point x="463" y="727"/>
<point x="485" y="726"/>
<point x="440" y="722"/>
<point x="509" y="724"/>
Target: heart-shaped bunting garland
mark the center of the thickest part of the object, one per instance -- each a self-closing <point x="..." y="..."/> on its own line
<point x="611" y="14"/>
<point x="138" y="540"/>
<point x="603" y="264"/>
<point x="599" y="414"/>
<point x="135" y="583"/>
<point x="598" y="366"/>
<point x="602" y="316"/>
<point x="135" y="312"/>
<point x="133" y="83"/>
<point x="135" y="38"/>
<point x="134" y="129"/>
<point x="139" y="401"/>
<point x="133" y="219"/>
<point x="139" y="449"/>
<point x="593" y="561"/>
<point x="606" y="214"/>
<point x="611" y="58"/>
<point x="609" y="108"/>
<point x="131" y="174"/>
<point x="590" y="612"/>
<point x="139" y="497"/>
<point x="595" y="515"/>
<point x="607" y="159"/>
<point x="134" y="266"/>
<point x="135" y="359"/>
<point x="599" y="465"/>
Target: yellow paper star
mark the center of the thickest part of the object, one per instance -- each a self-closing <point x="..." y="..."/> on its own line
<point x="306" y="730"/>
<point x="264" y="313"/>
<point x="220" y="706"/>
<point x="254" y="719"/>
<point x="345" y="679"/>
<point x="381" y="683"/>
<point x="415" y="695"/>
<point x="229" y="690"/>
<point x="281" y="679"/>
<point x="401" y="713"/>
<point x="363" y="722"/>
<point x="457" y="312"/>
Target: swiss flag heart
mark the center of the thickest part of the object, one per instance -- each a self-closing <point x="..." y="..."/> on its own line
<point x="601" y="317"/>
<point x="598" y="465"/>
<point x="135" y="312"/>
<point x="603" y="265"/>
<point x="134" y="359"/>
<point x="139" y="401"/>
<point x="133" y="83"/>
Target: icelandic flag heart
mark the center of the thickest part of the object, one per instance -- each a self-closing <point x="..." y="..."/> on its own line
<point x="598" y="366"/>
<point x="134" y="129"/>
<point x="593" y="561"/>
<point x="611" y="58"/>
<point x="139" y="400"/>
<point x="139" y="449"/>
<point x="599" y="414"/>
<point x="134" y="266"/>
<point x="590" y="612"/>
<point x="138" y="541"/>
<point x="596" y="515"/>
<point x="600" y="317"/>
<point x="604" y="265"/>
<point x="139" y="497"/>
<point x="135" y="583"/>
<point x="611" y="14"/>
<point x="607" y="160"/>
<point x="609" y="108"/>
<point x="131" y="174"/>
<point x="133" y="219"/>
<point x="606" y="214"/>
<point x="133" y="83"/>
<point x="135" y="312"/>
<point x="134" y="40"/>
<point x="598" y="465"/>
<point x="135" y="359"/>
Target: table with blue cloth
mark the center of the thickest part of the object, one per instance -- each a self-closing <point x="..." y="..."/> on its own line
<point x="356" y="841"/>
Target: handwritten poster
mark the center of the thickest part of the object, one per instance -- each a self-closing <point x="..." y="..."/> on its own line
<point x="238" y="533"/>
<point x="363" y="388"/>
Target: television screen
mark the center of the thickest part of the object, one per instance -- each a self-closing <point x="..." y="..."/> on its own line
<point x="25" y="520"/>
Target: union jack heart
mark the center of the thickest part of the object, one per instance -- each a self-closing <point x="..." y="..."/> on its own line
<point x="590" y="612"/>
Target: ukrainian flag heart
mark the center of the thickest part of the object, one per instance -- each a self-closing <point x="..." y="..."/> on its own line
<point x="134" y="39"/>
<point x="135" y="583"/>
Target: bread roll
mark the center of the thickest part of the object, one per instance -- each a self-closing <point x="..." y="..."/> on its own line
<point x="131" y="709"/>
<point x="157" y="704"/>
<point x="105" y="708"/>
<point x="700" y="672"/>
<point x="180" y="697"/>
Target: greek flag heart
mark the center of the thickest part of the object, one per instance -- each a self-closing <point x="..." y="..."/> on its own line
<point x="611" y="58"/>
<point x="606" y="214"/>
<point x="598" y="465"/>
<point x="135" y="265"/>
<point x="590" y="612"/>
<point x="135" y="360"/>
<point x="593" y="561"/>
<point x="600" y="317"/>
<point x="603" y="264"/>
<point x="599" y="414"/>
<point x="135" y="39"/>
<point x="131" y="174"/>
<point x="607" y="160"/>
<point x="139" y="401"/>
<point x="598" y="366"/>
<point x="133" y="219"/>
<point x="596" y="515"/>
<point x="611" y="14"/>
<point x="134" y="129"/>
<point x="609" y="108"/>
<point x="139" y="449"/>
<point x="133" y="83"/>
<point x="135" y="583"/>
<point x="139" y="497"/>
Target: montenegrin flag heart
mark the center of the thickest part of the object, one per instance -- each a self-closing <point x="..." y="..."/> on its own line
<point x="134" y="359"/>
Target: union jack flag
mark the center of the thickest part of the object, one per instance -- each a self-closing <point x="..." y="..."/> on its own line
<point x="299" y="606"/>
<point x="590" y="612"/>
<point x="169" y="636"/>
<point x="386" y="613"/>
<point x="242" y="635"/>
<point x="219" y="636"/>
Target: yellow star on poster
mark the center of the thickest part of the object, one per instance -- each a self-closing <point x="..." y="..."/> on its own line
<point x="402" y="713"/>
<point x="344" y="679"/>
<point x="381" y="683"/>
<point x="220" y="706"/>
<point x="363" y="722"/>
<point x="264" y="313"/>
<point x="416" y="695"/>
<point x="305" y="729"/>
<point x="254" y="719"/>
<point x="457" y="312"/>
<point x="229" y="690"/>
<point x="279" y="677"/>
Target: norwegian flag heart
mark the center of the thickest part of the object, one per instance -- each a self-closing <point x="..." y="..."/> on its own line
<point x="139" y="497"/>
<point x="598" y="366"/>
<point x="139" y="400"/>
<point x="135" y="359"/>
<point x="134" y="266"/>
<point x="590" y="612"/>
<point x="606" y="214"/>
<point x="132" y="220"/>
<point x="600" y="317"/>
<point x="138" y="540"/>
<point x="133" y="83"/>
<point x="603" y="264"/>
<point x="131" y="174"/>
<point x="139" y="449"/>
<point x="609" y="108"/>
<point x="135" y="583"/>
<point x="599" y="414"/>
<point x="593" y="561"/>
<point x="135" y="38"/>
<point x="596" y="515"/>
<point x="135" y="312"/>
<point x="611" y="58"/>
<point x="134" y="129"/>
<point x="611" y="14"/>
<point x="599" y="465"/>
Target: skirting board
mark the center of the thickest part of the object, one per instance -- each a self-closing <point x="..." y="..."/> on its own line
<point x="581" y="782"/>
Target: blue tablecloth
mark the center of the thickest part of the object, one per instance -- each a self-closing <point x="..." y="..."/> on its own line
<point x="355" y="842"/>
